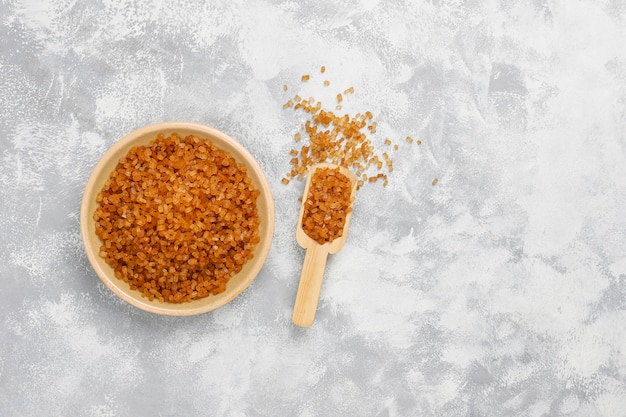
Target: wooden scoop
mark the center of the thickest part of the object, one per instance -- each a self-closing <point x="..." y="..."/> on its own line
<point x="316" y="254"/>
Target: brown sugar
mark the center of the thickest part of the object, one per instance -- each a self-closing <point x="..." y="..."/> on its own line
<point x="341" y="139"/>
<point x="327" y="205"/>
<point x="177" y="218"/>
<point x="336" y="139"/>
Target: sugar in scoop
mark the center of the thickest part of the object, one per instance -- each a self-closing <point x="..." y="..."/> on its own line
<point x="327" y="204"/>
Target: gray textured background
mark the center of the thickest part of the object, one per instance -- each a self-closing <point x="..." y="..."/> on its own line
<point x="501" y="291"/>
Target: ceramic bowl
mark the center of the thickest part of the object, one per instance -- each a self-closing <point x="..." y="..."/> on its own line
<point x="92" y="243"/>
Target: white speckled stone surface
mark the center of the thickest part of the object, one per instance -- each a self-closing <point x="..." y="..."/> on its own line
<point x="500" y="291"/>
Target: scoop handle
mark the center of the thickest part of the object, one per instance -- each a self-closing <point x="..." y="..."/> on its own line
<point x="310" y="285"/>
